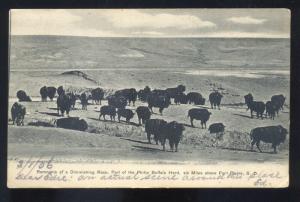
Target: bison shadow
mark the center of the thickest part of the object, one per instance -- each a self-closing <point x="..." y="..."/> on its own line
<point x="137" y="141"/>
<point x="102" y="120"/>
<point x="50" y="114"/>
<point x="129" y="123"/>
<point x="52" y="108"/>
<point x="147" y="149"/>
<point x="245" y="116"/>
<point x="203" y="107"/>
<point x="245" y="150"/>
<point x="188" y="125"/>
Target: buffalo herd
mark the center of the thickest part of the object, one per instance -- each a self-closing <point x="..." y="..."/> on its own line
<point x="161" y="99"/>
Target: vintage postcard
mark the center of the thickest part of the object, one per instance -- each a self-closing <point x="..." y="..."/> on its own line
<point x="149" y="98"/>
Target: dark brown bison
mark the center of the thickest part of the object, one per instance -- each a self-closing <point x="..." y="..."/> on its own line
<point x="117" y="101"/>
<point x="60" y="90"/>
<point x="160" y="102"/>
<point x="73" y="123"/>
<point x="130" y="95"/>
<point x="154" y="127"/>
<point x="173" y="133"/>
<point x="199" y="114"/>
<point x="181" y="98"/>
<point x="270" y="109"/>
<point x="108" y="110"/>
<point x="172" y="92"/>
<point x="256" y="106"/>
<point x="269" y="134"/>
<point x="215" y="99"/>
<point x="51" y="91"/>
<point x="144" y="93"/>
<point x="18" y="112"/>
<point x="217" y="128"/>
<point x="63" y="104"/>
<point x="126" y="113"/>
<point x="73" y="99"/>
<point x="84" y="101"/>
<point x="44" y="93"/>
<point x="143" y="114"/>
<point x="23" y="97"/>
<point x="97" y="95"/>
<point x="278" y="99"/>
<point x="195" y="98"/>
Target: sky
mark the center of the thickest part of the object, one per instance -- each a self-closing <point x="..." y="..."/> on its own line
<point x="249" y="23"/>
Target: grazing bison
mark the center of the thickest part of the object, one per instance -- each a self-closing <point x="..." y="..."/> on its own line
<point x="215" y="99"/>
<point x="51" y="92"/>
<point x="72" y="99"/>
<point x="143" y="114"/>
<point x="154" y="127"/>
<point x="44" y="93"/>
<point x="173" y="132"/>
<point x="195" y="98"/>
<point x="84" y="101"/>
<point x="217" y="128"/>
<point x="126" y="113"/>
<point x="256" y="106"/>
<point x="160" y="102"/>
<point x="181" y="98"/>
<point x="97" y="95"/>
<point x="130" y="95"/>
<point x="108" y="110"/>
<point x="18" y="112"/>
<point x="73" y="123"/>
<point x="172" y="92"/>
<point x="23" y="97"/>
<point x="199" y="114"/>
<point x="268" y="134"/>
<point x="60" y="90"/>
<point x="270" y="109"/>
<point x="63" y="104"/>
<point x="117" y="101"/>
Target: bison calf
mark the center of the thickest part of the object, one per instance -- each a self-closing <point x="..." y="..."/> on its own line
<point x="108" y="110"/>
<point x="126" y="113"/>
<point x="268" y="134"/>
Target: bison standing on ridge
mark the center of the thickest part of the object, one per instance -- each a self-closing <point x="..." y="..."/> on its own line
<point x="126" y="113"/>
<point x="144" y="93"/>
<point x="63" y="104"/>
<point x="117" y="101"/>
<point x="23" y="97"/>
<point x="195" y="98"/>
<point x="18" y="112"/>
<point x="44" y="93"/>
<point x="199" y="114"/>
<point x="143" y="114"/>
<point x="97" y="95"/>
<point x="160" y="102"/>
<point x="73" y="123"/>
<point x="256" y="106"/>
<point x="268" y="134"/>
<point x="154" y="127"/>
<point x="173" y="132"/>
<point x="108" y="110"/>
<point x="51" y="91"/>
<point x="215" y="99"/>
<point x="130" y="95"/>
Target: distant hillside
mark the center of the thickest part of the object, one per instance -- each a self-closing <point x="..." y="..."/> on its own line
<point x="64" y="52"/>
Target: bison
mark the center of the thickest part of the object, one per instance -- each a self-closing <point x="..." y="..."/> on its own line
<point x="270" y="109"/>
<point x="23" y="97"/>
<point x="144" y="93"/>
<point x="172" y="92"/>
<point x="160" y="102"/>
<point x="154" y="127"/>
<point x="44" y="93"/>
<point x="18" y="112"/>
<point x="126" y="113"/>
<point x="73" y="123"/>
<point x="51" y="91"/>
<point x="256" y="106"/>
<point x="181" y="98"/>
<point x="278" y="99"/>
<point x="199" y="114"/>
<point x="217" y="128"/>
<point x="84" y="101"/>
<point x="63" y="104"/>
<point x="73" y="98"/>
<point x="60" y="90"/>
<point x="173" y="132"/>
<point x="97" y="95"/>
<point x="215" y="99"/>
<point x="143" y="114"/>
<point x="117" y="101"/>
<point x="269" y="134"/>
<point x="130" y="95"/>
<point x="195" y="98"/>
<point x="108" y="110"/>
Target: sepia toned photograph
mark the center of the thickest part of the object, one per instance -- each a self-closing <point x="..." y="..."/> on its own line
<point x="146" y="98"/>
